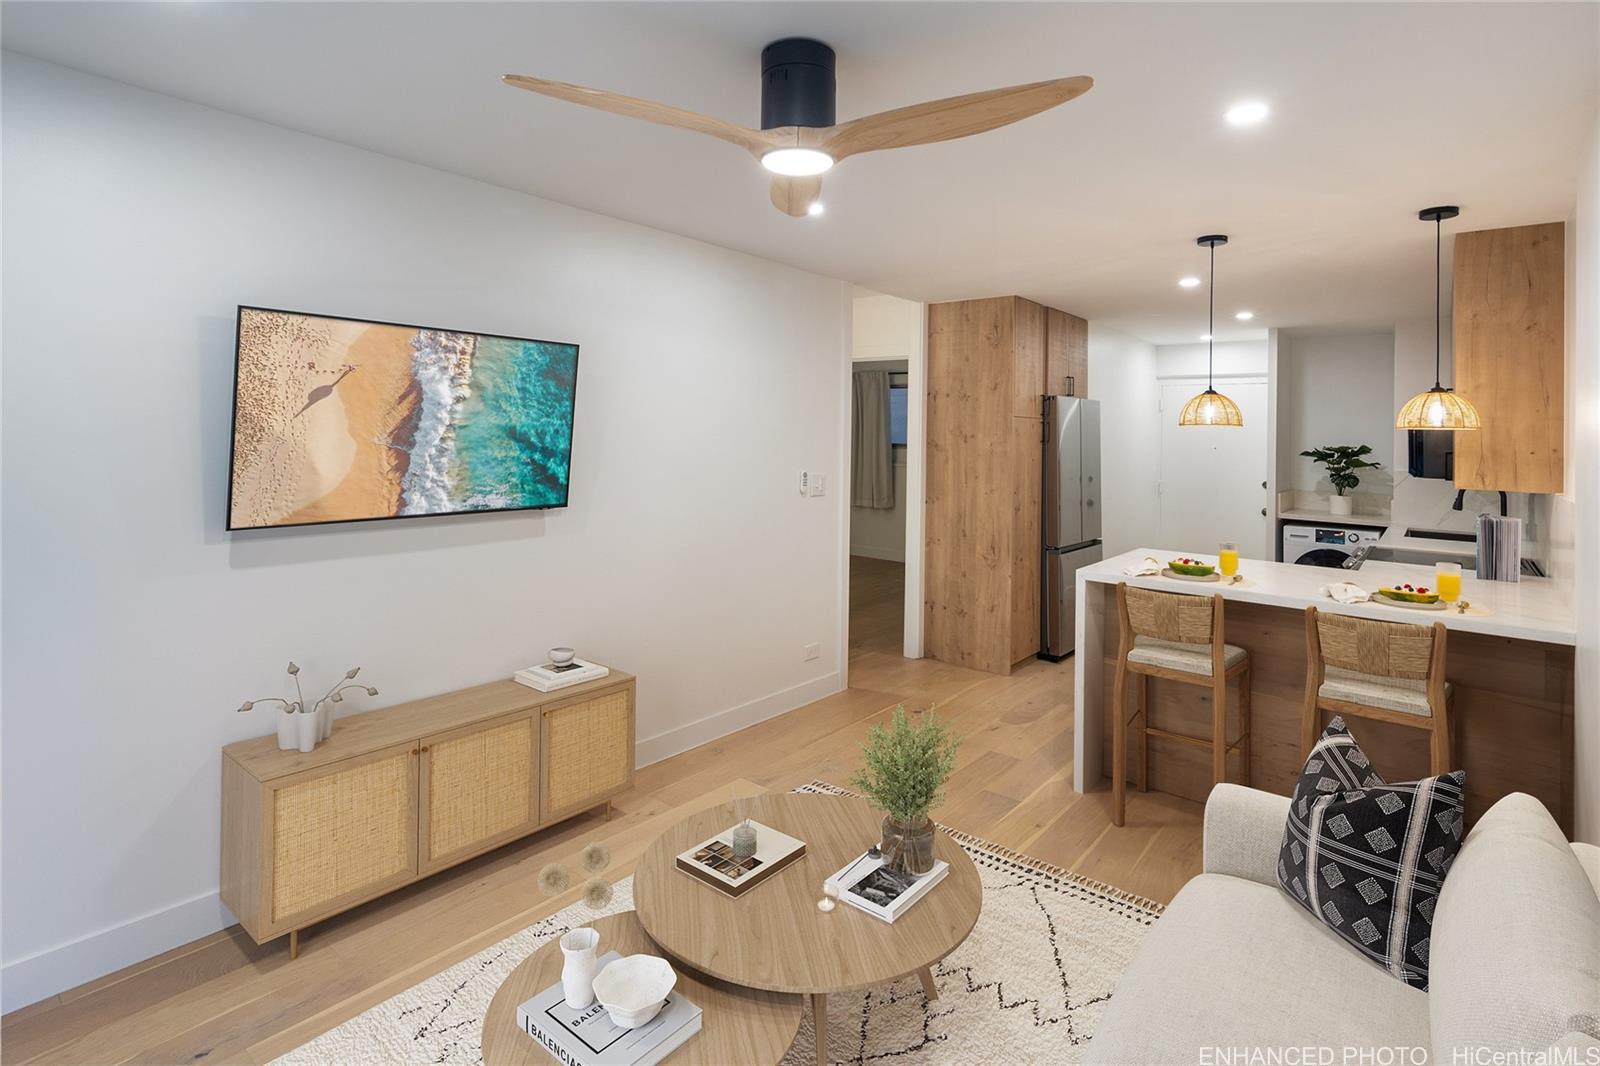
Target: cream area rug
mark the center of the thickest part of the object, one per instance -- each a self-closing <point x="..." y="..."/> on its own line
<point x="1028" y="985"/>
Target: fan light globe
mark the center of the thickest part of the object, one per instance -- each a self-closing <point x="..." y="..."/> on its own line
<point x="1438" y="408"/>
<point x="1211" y="408"/>
<point x="797" y="162"/>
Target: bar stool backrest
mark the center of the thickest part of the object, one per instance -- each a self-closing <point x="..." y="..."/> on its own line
<point x="1169" y="616"/>
<point x="1383" y="649"/>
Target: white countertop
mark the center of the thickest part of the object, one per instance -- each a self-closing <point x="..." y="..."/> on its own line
<point x="1530" y="609"/>
<point x="1394" y="538"/>
<point x="1328" y="518"/>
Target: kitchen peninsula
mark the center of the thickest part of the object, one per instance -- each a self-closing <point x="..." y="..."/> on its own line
<point x="1510" y="661"/>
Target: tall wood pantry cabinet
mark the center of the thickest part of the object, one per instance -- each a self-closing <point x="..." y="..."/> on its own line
<point x="989" y="362"/>
<point x="400" y="793"/>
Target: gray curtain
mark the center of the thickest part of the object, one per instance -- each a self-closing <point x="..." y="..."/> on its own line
<point x="871" y="457"/>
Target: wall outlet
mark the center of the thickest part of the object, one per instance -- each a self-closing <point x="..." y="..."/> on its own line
<point x="819" y="484"/>
<point x="813" y="652"/>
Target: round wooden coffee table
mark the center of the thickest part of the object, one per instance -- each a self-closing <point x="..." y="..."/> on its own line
<point x="743" y="1025"/>
<point x="773" y="937"/>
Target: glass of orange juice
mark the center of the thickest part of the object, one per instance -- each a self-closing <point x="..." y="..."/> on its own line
<point x="1228" y="558"/>
<point x="1447" y="579"/>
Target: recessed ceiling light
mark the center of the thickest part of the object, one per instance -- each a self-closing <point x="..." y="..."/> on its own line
<point x="797" y="162"/>
<point x="1244" y="316"/>
<point x="815" y="208"/>
<point x="1247" y="113"/>
<point x="1189" y="282"/>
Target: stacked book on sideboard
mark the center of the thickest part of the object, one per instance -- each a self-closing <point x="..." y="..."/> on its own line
<point x="548" y="677"/>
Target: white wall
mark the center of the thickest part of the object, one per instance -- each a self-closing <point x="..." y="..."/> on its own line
<point x="1577" y="512"/>
<point x="1122" y="376"/>
<point x="1233" y="359"/>
<point x="881" y="533"/>
<point x="133" y="625"/>
<point x="1334" y="390"/>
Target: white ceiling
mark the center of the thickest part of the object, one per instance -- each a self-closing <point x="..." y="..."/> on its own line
<point x="1378" y="110"/>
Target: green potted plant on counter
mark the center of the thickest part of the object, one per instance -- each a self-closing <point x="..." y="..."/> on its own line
<point x="906" y="769"/>
<point x="1342" y="461"/>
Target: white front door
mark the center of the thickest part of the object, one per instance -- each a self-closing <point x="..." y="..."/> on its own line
<point x="1212" y="476"/>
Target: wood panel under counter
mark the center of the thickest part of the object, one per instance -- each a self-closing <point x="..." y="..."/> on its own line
<point x="1512" y="671"/>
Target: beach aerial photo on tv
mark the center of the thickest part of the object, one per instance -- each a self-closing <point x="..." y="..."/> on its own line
<point x="337" y="420"/>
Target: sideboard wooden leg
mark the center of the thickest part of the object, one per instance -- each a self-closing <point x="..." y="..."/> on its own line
<point x="294" y="943"/>
<point x="608" y="810"/>
<point x="819" y="1017"/>
<point x="929" y="989"/>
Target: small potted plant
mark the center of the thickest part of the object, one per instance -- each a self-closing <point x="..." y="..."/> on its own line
<point x="905" y="773"/>
<point x="1342" y="461"/>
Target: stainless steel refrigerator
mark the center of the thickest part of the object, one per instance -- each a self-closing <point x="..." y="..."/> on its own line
<point x="1071" y="500"/>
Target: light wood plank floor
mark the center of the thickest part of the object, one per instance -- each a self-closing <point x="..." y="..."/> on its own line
<point x="223" y="999"/>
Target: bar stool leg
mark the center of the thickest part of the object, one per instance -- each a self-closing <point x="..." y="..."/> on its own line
<point x="1119" y="747"/>
<point x="1142" y="696"/>
<point x="1244" y="727"/>
<point x="1219" y="729"/>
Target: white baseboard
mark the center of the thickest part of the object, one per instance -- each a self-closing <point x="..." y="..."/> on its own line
<point x="712" y="726"/>
<point x="45" y="973"/>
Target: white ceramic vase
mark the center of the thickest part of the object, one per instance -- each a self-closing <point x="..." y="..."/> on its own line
<point x="325" y="720"/>
<point x="577" y="972"/>
<point x="308" y="729"/>
<point x="1340" y="504"/>
<point x="288" y="731"/>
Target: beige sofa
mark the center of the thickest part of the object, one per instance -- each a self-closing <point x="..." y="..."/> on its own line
<point x="1236" y="972"/>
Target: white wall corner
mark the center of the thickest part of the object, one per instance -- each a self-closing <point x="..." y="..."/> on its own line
<point x="713" y="726"/>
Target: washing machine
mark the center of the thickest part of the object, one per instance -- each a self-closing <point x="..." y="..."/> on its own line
<point x="1325" y="545"/>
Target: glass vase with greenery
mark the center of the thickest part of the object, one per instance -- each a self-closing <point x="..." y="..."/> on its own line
<point x="906" y="768"/>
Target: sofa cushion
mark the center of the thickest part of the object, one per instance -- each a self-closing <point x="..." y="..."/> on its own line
<point x="1367" y="858"/>
<point x="1234" y="964"/>
<point x="1516" y="943"/>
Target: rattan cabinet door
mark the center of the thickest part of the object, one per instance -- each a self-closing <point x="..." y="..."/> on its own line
<point x="588" y="752"/>
<point x="342" y="834"/>
<point x="479" y="788"/>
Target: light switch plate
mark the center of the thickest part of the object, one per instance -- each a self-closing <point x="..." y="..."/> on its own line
<point x="819" y="484"/>
<point x="805" y="483"/>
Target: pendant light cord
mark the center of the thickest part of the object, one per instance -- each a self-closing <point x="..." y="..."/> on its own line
<point x="1211" y="321"/>
<point x="1438" y="286"/>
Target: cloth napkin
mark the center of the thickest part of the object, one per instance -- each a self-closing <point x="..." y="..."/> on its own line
<point x="1148" y="568"/>
<point x="1346" y="592"/>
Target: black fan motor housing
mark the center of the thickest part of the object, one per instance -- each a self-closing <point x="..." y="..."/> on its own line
<point x="797" y="84"/>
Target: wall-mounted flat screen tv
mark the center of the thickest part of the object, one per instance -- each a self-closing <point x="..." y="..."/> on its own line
<point x="344" y="420"/>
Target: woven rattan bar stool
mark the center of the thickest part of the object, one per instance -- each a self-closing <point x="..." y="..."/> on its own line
<point x="1384" y="671"/>
<point x="1174" y="637"/>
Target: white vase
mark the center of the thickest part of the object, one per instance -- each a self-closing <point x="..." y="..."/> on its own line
<point x="1340" y="504"/>
<point x="577" y="973"/>
<point x="325" y="720"/>
<point x="307" y="729"/>
<point x="288" y="731"/>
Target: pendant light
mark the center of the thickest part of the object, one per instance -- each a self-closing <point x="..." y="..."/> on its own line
<point x="1439" y="407"/>
<point x="1211" y="408"/>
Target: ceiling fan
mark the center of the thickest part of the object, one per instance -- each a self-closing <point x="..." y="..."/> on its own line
<point x="799" y="140"/>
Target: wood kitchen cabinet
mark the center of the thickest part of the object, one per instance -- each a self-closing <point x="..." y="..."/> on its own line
<point x="1509" y="334"/>
<point x="989" y="362"/>
<point x="399" y="793"/>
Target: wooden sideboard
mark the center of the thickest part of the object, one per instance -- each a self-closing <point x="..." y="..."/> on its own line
<point x="400" y="793"/>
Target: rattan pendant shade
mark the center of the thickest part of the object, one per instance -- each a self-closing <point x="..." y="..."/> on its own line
<point x="1211" y="408"/>
<point x="1438" y="407"/>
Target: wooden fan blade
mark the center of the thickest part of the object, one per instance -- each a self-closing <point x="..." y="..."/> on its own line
<point x="945" y="120"/>
<point x="794" y="196"/>
<point x="756" y="142"/>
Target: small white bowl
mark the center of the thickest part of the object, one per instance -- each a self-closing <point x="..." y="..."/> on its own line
<point x="561" y="656"/>
<point x="634" y="989"/>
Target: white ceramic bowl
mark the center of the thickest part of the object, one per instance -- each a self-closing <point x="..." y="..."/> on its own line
<point x="561" y="656"/>
<point x="633" y="989"/>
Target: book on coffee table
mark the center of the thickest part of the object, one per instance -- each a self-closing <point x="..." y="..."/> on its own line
<point x="588" y="1037"/>
<point x="714" y="861"/>
<point x="868" y="885"/>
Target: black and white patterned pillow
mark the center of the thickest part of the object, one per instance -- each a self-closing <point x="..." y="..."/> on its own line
<point x="1366" y="858"/>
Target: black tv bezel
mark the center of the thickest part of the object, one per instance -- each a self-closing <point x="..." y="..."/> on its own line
<point x="233" y="425"/>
